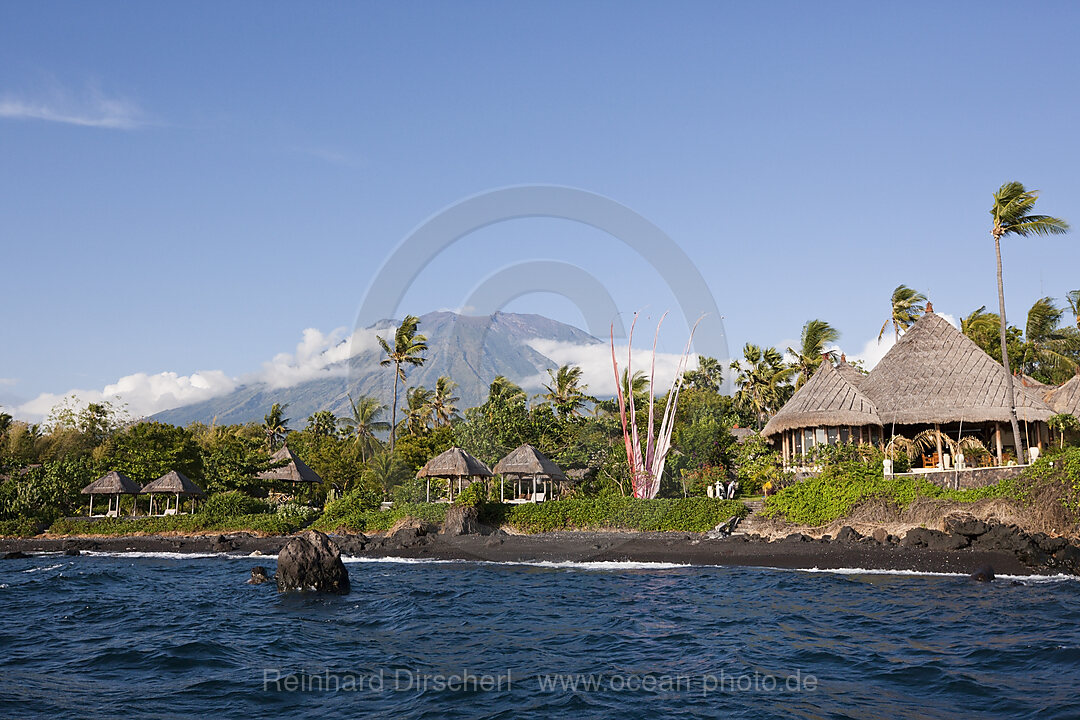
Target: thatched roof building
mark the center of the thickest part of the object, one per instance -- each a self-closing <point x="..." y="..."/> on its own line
<point x="933" y="378"/>
<point x="296" y="470"/>
<point x="173" y="483"/>
<point x="114" y="483"/>
<point x="454" y="463"/>
<point x="527" y="460"/>
<point x="936" y="374"/>
<point x="1065" y="399"/>
<point x="827" y="399"/>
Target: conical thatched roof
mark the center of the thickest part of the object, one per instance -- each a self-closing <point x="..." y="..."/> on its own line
<point x="455" y="462"/>
<point x="850" y="374"/>
<point x="936" y="374"/>
<point x="1066" y="399"/>
<point x="173" y="482"/>
<point x="527" y="460"/>
<point x="112" y="484"/>
<point x="827" y="398"/>
<point x="295" y="471"/>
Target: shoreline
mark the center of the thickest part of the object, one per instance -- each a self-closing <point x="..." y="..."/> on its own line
<point x="797" y="552"/>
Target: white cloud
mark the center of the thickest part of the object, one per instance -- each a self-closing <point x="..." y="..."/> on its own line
<point x="8" y="381"/>
<point x="595" y="362"/>
<point x="90" y="109"/>
<point x="142" y="393"/>
<point x="316" y="354"/>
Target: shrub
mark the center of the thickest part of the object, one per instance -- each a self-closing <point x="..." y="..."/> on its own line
<point x="358" y="517"/>
<point x="473" y="496"/>
<point x="695" y="514"/>
<point x="841" y="487"/>
<point x="23" y="527"/>
<point x="222" y="505"/>
<point x="265" y="523"/>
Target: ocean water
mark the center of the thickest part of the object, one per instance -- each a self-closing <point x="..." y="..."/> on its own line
<point x="159" y="636"/>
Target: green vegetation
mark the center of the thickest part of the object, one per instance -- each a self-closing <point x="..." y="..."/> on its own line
<point x="271" y="523"/>
<point x="841" y="487"/>
<point x="697" y="514"/>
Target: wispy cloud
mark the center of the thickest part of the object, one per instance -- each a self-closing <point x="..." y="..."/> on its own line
<point x="91" y="108"/>
<point x="594" y="360"/>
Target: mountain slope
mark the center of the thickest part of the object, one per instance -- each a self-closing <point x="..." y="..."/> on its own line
<point x="471" y="350"/>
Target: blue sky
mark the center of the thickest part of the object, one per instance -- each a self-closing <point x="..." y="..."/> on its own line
<point x="185" y="188"/>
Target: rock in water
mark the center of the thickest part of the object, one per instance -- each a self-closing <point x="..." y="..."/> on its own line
<point x="310" y="561"/>
<point x="983" y="574"/>
<point x="258" y="576"/>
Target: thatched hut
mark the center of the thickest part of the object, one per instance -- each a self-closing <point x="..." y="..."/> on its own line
<point x="933" y="379"/>
<point x="176" y="484"/>
<point x="937" y="377"/>
<point x="113" y="484"/>
<point x="526" y="462"/>
<point x="295" y="470"/>
<point x="454" y="464"/>
<point x="1066" y="398"/>
<point x="828" y="410"/>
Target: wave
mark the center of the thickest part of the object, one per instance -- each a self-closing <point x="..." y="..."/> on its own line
<point x="926" y="573"/>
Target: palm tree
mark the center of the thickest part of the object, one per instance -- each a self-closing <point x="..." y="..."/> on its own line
<point x="1063" y="422"/>
<point x="762" y="381"/>
<point x="275" y="426"/>
<point x="907" y="305"/>
<point x="815" y="335"/>
<point x="322" y="423"/>
<point x="566" y="393"/>
<point x="1046" y="351"/>
<point x="442" y="401"/>
<point x="1073" y="299"/>
<point x="505" y="390"/>
<point x="364" y="423"/>
<point x="707" y="376"/>
<point x="387" y="470"/>
<point x="1012" y="213"/>
<point x="408" y="349"/>
<point x="418" y="410"/>
<point x="5" y="423"/>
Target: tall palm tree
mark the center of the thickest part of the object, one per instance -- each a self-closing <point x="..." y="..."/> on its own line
<point x="322" y="423"/>
<point x="815" y="335"/>
<point x="566" y="393"/>
<point x="442" y="401"/>
<point x="408" y="349"/>
<point x="1012" y="214"/>
<point x="5" y="423"/>
<point x="908" y="305"/>
<point x="418" y="410"/>
<point x="364" y="423"/>
<point x="505" y="390"/>
<point x="275" y="425"/>
<point x="762" y="381"/>
<point x="386" y="470"/>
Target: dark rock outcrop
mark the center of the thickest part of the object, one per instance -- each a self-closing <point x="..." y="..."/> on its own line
<point x="967" y="525"/>
<point x="983" y="574"/>
<point x="258" y="576"/>
<point x="409" y="532"/>
<point x="848" y="534"/>
<point x="310" y="561"/>
<point x="15" y="555"/>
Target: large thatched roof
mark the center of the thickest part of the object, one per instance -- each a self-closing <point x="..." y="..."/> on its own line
<point x="1066" y="399"/>
<point x="527" y="460"/>
<point x="827" y="398"/>
<point x="295" y="471"/>
<point x="112" y="484"/>
<point x="849" y="373"/>
<point x="173" y="482"/>
<point x="935" y="374"/>
<point x="453" y="463"/>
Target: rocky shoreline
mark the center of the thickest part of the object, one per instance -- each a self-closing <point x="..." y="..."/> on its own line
<point x="966" y="545"/>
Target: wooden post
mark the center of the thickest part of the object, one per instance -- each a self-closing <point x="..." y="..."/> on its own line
<point x="997" y="442"/>
<point x="91" y="506"/>
<point x="940" y="457"/>
<point x="534" y="488"/>
<point x="429" y="488"/>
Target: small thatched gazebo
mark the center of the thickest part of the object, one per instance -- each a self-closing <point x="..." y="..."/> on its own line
<point x="454" y="464"/>
<point x="296" y="470"/>
<point x="827" y="410"/>
<point x="172" y="483"/>
<point x="528" y="462"/>
<point x="114" y="484"/>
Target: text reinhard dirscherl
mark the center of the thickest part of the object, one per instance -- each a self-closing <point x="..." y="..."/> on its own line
<point x="416" y="681"/>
